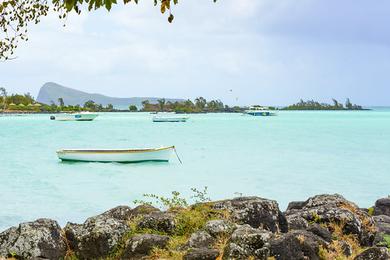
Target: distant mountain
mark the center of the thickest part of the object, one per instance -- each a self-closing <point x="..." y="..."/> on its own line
<point x="51" y="92"/>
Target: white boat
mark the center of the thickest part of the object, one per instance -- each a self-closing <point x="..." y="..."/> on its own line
<point x="170" y="119"/>
<point x="162" y="154"/>
<point x="83" y="116"/>
<point x="260" y="111"/>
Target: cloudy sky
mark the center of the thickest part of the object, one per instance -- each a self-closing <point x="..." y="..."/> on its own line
<point x="241" y="51"/>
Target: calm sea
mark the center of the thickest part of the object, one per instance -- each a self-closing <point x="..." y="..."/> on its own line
<point x="288" y="157"/>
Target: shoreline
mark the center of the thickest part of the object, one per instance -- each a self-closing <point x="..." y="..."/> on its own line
<point x="322" y="227"/>
<point x="151" y="112"/>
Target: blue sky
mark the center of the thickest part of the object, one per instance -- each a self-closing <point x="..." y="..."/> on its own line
<point x="243" y="52"/>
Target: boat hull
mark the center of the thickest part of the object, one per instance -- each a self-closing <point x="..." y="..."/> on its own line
<point x="170" y="119"/>
<point x="122" y="156"/>
<point x="75" y="117"/>
<point x="261" y="113"/>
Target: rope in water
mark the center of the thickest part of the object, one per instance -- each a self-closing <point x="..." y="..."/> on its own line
<point x="177" y="155"/>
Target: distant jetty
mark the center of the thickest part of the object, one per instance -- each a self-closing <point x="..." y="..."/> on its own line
<point x="322" y="227"/>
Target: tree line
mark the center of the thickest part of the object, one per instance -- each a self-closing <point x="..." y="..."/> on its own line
<point x="27" y="103"/>
<point x="199" y="105"/>
<point x="314" y="105"/>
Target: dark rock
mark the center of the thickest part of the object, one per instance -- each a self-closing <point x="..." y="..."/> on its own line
<point x="219" y="227"/>
<point x="297" y="222"/>
<point x="296" y="205"/>
<point x="143" y="210"/>
<point x="32" y="240"/>
<point x="159" y="221"/>
<point x="140" y="246"/>
<point x="382" y="224"/>
<point x="99" y="235"/>
<point x="248" y="242"/>
<point x="202" y="254"/>
<point x="119" y="213"/>
<point x="334" y="209"/>
<point x="320" y="231"/>
<point x="298" y="244"/>
<point x="200" y="239"/>
<point x="256" y="212"/>
<point x="382" y="207"/>
<point x="374" y="253"/>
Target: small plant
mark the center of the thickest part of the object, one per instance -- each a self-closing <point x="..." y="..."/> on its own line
<point x="386" y="238"/>
<point x="386" y="241"/>
<point x="371" y="211"/>
<point x="174" y="202"/>
<point x="315" y="218"/>
<point x="200" y="196"/>
<point x="168" y="203"/>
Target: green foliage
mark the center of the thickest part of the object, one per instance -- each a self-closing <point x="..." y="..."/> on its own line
<point x="176" y="201"/>
<point x="188" y="219"/>
<point x="133" y="108"/>
<point x="315" y="218"/>
<point x="193" y="219"/>
<point x="200" y="105"/>
<point x="27" y="103"/>
<point x="200" y="196"/>
<point x="314" y="105"/>
<point x="371" y="211"/>
<point x="160" y="201"/>
<point x="386" y="241"/>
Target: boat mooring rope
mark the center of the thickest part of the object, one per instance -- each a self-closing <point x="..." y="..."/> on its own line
<point x="177" y="155"/>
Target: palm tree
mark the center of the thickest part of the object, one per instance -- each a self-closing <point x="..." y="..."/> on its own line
<point x="145" y="105"/>
<point x="3" y="93"/>
<point x="61" y="102"/>
<point x="161" y="103"/>
<point x="200" y="103"/>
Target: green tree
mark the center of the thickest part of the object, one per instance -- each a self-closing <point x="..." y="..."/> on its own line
<point x="133" y="108"/>
<point x="161" y="104"/>
<point x="61" y="102"/>
<point x="110" y="107"/>
<point x="90" y="105"/>
<point x="348" y="104"/>
<point x="145" y="105"/>
<point x="16" y="15"/>
<point x="200" y="103"/>
<point x="3" y="93"/>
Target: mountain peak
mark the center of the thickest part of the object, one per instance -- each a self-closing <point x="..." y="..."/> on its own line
<point x="50" y="92"/>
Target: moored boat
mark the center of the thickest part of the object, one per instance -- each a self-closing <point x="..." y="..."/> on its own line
<point x="83" y="116"/>
<point x="170" y="119"/>
<point x="260" y="111"/>
<point x="162" y="154"/>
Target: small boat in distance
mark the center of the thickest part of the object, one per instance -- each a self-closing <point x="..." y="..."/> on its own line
<point x="170" y="119"/>
<point x="82" y="116"/>
<point x="162" y="154"/>
<point x="260" y="111"/>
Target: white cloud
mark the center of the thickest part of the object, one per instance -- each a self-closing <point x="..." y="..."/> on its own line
<point x="273" y="48"/>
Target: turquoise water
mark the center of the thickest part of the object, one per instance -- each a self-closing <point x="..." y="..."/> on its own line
<point x="288" y="157"/>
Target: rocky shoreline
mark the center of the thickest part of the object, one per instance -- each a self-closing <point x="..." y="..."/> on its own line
<point x="322" y="227"/>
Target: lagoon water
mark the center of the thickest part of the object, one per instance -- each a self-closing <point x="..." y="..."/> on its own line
<point x="288" y="157"/>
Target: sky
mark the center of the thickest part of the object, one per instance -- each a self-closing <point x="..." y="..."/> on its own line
<point x="240" y="51"/>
